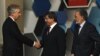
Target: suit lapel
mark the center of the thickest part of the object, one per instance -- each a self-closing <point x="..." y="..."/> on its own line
<point x="53" y="29"/>
<point x="83" y="29"/>
<point x="52" y="32"/>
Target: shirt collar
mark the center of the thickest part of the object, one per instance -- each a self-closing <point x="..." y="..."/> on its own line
<point x="53" y="25"/>
<point x="82" y="24"/>
<point x="12" y="18"/>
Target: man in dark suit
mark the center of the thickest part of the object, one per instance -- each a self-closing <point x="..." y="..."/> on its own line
<point x="85" y="35"/>
<point x="53" y="39"/>
<point x="12" y="38"/>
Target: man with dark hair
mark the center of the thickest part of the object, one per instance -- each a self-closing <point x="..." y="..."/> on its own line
<point x="85" y="35"/>
<point x="53" y="39"/>
<point x="12" y="38"/>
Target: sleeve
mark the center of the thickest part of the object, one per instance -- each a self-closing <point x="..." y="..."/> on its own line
<point x="61" y="42"/>
<point x="70" y="35"/>
<point x="94" y="34"/>
<point x="72" y="51"/>
<point x="16" y="32"/>
<point x="43" y="37"/>
<point x="96" y="37"/>
<point x="97" y="49"/>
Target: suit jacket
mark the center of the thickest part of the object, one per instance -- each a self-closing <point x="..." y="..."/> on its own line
<point x="54" y="44"/>
<point x="97" y="49"/>
<point x="69" y="41"/>
<point x="13" y="39"/>
<point x="83" y="44"/>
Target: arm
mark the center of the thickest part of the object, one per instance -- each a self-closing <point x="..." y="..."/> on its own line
<point x="61" y="41"/>
<point x="97" y="49"/>
<point x="17" y="34"/>
<point x="40" y="44"/>
<point x="94" y="34"/>
<point x="96" y="37"/>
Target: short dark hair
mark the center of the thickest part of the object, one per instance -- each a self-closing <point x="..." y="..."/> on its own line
<point x="11" y="8"/>
<point x="51" y="15"/>
<point x="83" y="13"/>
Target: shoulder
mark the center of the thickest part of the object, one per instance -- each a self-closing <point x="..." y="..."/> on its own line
<point x="90" y="26"/>
<point x="58" y="28"/>
<point x="8" y="22"/>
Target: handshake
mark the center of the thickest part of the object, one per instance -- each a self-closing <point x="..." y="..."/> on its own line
<point x="37" y="44"/>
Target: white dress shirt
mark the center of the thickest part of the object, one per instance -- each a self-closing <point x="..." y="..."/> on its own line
<point x="52" y="26"/>
<point x="81" y="26"/>
<point x="12" y="18"/>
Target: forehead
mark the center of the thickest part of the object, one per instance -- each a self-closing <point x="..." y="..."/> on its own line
<point x="17" y="10"/>
<point x="46" y="17"/>
<point x="77" y="13"/>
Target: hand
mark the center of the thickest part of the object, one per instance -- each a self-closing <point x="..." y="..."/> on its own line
<point x="91" y="55"/>
<point x="72" y="54"/>
<point x="37" y="44"/>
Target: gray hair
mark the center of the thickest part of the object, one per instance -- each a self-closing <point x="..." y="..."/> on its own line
<point x="11" y="8"/>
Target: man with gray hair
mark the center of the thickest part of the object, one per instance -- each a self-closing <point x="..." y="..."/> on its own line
<point x="12" y="38"/>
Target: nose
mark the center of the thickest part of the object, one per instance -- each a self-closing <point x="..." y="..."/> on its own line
<point x="20" y="14"/>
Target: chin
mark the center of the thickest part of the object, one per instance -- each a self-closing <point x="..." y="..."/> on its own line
<point x="77" y="22"/>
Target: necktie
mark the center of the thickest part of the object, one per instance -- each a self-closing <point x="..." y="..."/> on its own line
<point x="77" y="29"/>
<point x="47" y="30"/>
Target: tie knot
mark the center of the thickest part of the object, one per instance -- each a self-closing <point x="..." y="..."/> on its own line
<point x="77" y="25"/>
<point x="48" y="28"/>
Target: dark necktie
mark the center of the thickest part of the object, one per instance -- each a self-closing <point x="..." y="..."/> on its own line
<point x="47" y="30"/>
<point x="77" y="29"/>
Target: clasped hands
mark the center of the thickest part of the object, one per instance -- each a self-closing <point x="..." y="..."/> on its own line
<point x="37" y="44"/>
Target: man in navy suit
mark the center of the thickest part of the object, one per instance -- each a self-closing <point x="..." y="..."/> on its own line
<point x="85" y="35"/>
<point x="12" y="38"/>
<point x="53" y="39"/>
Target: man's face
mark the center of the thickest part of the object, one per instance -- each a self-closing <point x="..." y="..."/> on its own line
<point x="78" y="17"/>
<point x="17" y="14"/>
<point x="48" y="20"/>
